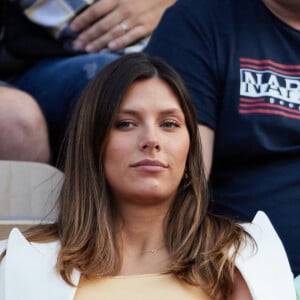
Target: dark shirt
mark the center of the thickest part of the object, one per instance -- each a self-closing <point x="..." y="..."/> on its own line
<point x="242" y="67"/>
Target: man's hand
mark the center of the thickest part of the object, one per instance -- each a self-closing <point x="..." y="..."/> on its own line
<point x="117" y="23"/>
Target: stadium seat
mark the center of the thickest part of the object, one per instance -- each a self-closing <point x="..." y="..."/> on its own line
<point x="28" y="193"/>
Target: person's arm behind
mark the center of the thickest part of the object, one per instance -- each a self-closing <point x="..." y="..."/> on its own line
<point x="112" y="24"/>
<point x="117" y="23"/>
<point x="207" y="140"/>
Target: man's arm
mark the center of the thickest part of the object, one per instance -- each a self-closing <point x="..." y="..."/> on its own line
<point x="207" y="140"/>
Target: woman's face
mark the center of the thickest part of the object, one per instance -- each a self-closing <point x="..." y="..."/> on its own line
<point x="148" y="145"/>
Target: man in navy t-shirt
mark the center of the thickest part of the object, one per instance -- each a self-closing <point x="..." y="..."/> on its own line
<point x="241" y="63"/>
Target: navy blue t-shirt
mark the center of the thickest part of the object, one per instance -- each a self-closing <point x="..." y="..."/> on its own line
<point x="242" y="67"/>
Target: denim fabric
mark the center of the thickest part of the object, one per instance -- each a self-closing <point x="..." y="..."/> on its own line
<point x="3" y="83"/>
<point x="57" y="83"/>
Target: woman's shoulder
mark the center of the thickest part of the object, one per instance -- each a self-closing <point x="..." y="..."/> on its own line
<point x="268" y="243"/>
<point x="33" y="265"/>
<point x="265" y="266"/>
<point x="16" y="240"/>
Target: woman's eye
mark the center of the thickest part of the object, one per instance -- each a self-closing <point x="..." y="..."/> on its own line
<point x="124" y="124"/>
<point x="170" y="124"/>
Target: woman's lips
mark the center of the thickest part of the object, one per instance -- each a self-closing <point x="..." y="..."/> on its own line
<point x="150" y="165"/>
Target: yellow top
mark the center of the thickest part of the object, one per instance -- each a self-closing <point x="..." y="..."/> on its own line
<point x="137" y="287"/>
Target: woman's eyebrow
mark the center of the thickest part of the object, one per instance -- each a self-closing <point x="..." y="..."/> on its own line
<point x="128" y="112"/>
<point x="171" y="111"/>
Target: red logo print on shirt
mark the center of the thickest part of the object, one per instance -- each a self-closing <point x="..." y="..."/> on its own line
<point x="270" y="88"/>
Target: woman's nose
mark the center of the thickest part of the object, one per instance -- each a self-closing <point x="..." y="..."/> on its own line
<point x="150" y="141"/>
<point x="150" y="146"/>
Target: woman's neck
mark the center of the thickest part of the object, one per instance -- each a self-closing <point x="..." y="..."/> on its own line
<point x="142" y="231"/>
<point x="142" y="237"/>
<point x="286" y="11"/>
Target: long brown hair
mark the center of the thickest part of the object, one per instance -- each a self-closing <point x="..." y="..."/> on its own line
<point x="198" y="242"/>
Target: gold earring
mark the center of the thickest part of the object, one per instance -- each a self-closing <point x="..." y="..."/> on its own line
<point x="186" y="175"/>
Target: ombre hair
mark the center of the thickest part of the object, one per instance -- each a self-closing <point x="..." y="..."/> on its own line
<point x="202" y="247"/>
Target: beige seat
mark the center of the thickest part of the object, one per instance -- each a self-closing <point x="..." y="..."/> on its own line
<point x="28" y="192"/>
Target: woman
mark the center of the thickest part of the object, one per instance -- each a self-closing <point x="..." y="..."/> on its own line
<point x="133" y="211"/>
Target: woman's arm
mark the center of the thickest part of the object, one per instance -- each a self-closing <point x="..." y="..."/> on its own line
<point x="240" y="289"/>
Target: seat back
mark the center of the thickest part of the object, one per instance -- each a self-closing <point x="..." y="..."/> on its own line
<point x="28" y="194"/>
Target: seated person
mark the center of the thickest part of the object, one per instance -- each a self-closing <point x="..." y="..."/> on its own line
<point x="240" y="61"/>
<point x="54" y="68"/>
<point x="133" y="210"/>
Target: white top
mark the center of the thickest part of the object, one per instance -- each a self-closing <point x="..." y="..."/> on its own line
<point x="28" y="270"/>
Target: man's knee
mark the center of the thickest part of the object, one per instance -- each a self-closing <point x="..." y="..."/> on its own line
<point x="23" y="129"/>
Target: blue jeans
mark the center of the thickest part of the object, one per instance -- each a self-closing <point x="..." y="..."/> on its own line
<point x="57" y="84"/>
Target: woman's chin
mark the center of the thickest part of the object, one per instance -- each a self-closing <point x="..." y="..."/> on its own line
<point x="152" y="197"/>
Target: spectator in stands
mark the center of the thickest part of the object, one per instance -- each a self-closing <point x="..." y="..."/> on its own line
<point x="52" y="68"/>
<point x="134" y="202"/>
<point x="241" y="63"/>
